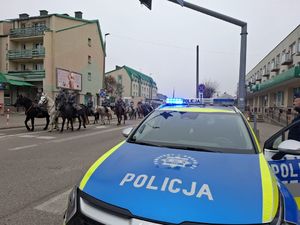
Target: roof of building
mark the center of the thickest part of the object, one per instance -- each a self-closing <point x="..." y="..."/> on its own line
<point x="135" y="74"/>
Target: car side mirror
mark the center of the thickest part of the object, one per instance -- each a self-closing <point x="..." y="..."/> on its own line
<point x="291" y="147"/>
<point x="127" y="131"/>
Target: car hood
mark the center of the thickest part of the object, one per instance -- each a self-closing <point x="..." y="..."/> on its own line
<point x="176" y="186"/>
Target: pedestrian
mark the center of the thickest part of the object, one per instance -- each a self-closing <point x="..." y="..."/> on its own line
<point x="294" y="132"/>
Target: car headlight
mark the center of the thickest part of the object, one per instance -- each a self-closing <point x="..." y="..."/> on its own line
<point x="72" y="206"/>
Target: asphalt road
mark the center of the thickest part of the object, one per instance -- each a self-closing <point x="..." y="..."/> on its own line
<point x="38" y="169"/>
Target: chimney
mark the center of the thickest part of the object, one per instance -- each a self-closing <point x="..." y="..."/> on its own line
<point x="23" y="16"/>
<point x="118" y="67"/>
<point x="78" y="14"/>
<point x="43" y="12"/>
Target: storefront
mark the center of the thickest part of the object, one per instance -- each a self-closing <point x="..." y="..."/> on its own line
<point x="10" y="89"/>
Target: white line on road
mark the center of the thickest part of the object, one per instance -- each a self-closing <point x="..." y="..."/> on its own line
<point x="100" y="127"/>
<point x="55" y="205"/>
<point x="26" y="136"/>
<point x="22" y="147"/>
<point x="45" y="137"/>
<point x="86" y="135"/>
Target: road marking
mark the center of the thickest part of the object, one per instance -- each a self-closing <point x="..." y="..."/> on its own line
<point x="45" y="137"/>
<point x="87" y="135"/>
<point x="26" y="136"/>
<point x="22" y="147"/>
<point x="101" y="127"/>
<point x="55" y="205"/>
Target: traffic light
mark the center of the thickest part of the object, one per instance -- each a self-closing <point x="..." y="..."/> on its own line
<point x="147" y="3"/>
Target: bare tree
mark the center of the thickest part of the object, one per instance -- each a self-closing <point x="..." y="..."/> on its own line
<point x="119" y="89"/>
<point x="211" y="87"/>
<point x="110" y="84"/>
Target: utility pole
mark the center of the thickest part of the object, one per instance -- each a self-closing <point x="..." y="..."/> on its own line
<point x="197" y="71"/>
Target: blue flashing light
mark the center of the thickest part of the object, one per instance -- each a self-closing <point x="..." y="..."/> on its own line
<point x="174" y="101"/>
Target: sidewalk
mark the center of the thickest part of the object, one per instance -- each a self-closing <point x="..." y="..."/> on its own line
<point x="266" y="130"/>
<point x="17" y="119"/>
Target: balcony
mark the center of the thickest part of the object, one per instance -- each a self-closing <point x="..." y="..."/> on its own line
<point x="275" y="67"/>
<point x="266" y="73"/>
<point x="28" y="31"/>
<point x="26" y="54"/>
<point x="28" y="75"/>
<point x="286" y="59"/>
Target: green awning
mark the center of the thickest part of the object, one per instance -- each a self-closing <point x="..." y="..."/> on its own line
<point x="3" y="78"/>
<point x="19" y="83"/>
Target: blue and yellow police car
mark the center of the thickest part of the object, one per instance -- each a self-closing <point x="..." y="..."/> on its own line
<point x="190" y="164"/>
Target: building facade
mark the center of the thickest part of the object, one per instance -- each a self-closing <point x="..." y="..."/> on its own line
<point x="51" y="51"/>
<point x="136" y="85"/>
<point x="272" y="83"/>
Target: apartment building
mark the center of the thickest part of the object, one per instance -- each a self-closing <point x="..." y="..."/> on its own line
<point x="136" y="84"/>
<point x="51" y="51"/>
<point x="272" y="83"/>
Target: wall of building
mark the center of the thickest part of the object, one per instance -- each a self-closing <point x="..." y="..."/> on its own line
<point x="59" y="23"/>
<point x="126" y="81"/>
<point x="71" y="52"/>
<point x="3" y="51"/>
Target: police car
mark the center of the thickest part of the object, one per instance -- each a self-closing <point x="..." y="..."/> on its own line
<point x="190" y="164"/>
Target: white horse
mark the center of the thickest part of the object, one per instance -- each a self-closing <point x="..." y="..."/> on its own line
<point x="50" y="104"/>
<point x="101" y="112"/>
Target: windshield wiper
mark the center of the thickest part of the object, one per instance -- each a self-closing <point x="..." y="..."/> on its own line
<point x="192" y="148"/>
<point x="144" y="143"/>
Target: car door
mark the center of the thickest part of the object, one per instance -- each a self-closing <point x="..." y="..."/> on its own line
<point x="285" y="166"/>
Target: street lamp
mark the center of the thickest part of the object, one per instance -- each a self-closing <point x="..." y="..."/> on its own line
<point x="104" y="58"/>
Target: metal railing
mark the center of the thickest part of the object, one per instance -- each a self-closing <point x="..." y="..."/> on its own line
<point x="28" y="31"/>
<point x="26" y="54"/>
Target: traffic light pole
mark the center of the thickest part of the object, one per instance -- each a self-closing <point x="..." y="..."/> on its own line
<point x="243" y="50"/>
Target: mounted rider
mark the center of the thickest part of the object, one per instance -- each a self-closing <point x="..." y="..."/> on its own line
<point x="72" y="100"/>
<point x="105" y="104"/>
<point x="120" y="102"/>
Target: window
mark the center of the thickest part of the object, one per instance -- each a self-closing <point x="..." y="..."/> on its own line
<point x="198" y="130"/>
<point x="89" y="59"/>
<point x="277" y="61"/>
<point x="24" y="46"/>
<point x="283" y="56"/>
<point x="293" y="48"/>
<point x="89" y="42"/>
<point x="89" y="76"/>
<point x="6" y="46"/>
<point x="23" y="67"/>
<point x="279" y="98"/>
<point x="6" y="66"/>
<point x="298" y="47"/>
<point x="120" y="79"/>
<point x="38" y="66"/>
<point x="38" y="45"/>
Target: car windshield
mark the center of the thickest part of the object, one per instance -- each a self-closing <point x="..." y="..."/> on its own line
<point x="215" y="132"/>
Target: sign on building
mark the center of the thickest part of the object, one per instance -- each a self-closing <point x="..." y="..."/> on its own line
<point x="68" y="79"/>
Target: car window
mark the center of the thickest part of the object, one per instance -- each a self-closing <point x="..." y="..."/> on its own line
<point x="225" y="132"/>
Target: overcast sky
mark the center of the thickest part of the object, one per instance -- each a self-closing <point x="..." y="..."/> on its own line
<point x="162" y="42"/>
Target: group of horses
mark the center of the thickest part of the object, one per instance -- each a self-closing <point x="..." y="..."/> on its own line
<point x="53" y="109"/>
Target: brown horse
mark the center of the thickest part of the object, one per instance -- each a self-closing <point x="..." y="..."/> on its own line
<point x="120" y="113"/>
